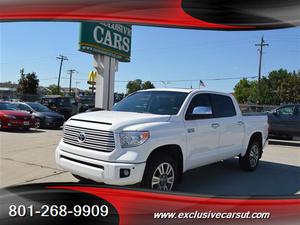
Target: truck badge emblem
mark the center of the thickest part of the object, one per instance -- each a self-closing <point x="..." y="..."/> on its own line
<point x="81" y="137"/>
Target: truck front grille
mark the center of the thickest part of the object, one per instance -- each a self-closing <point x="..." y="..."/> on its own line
<point x="87" y="138"/>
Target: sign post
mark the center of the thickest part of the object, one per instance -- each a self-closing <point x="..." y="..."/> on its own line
<point x="109" y="43"/>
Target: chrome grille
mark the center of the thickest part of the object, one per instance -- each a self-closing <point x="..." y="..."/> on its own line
<point x="97" y="140"/>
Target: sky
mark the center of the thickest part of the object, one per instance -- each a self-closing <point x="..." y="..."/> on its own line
<point x="157" y="54"/>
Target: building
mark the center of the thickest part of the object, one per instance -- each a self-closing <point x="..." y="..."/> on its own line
<point x="8" y="92"/>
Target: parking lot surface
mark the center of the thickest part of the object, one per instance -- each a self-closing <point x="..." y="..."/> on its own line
<point x="28" y="157"/>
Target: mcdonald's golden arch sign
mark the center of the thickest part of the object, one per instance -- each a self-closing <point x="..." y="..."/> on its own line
<point x="92" y="77"/>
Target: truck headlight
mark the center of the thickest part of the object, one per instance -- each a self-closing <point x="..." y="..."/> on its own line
<point x="133" y="138"/>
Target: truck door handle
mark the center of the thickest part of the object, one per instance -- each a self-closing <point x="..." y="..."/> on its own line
<point x="215" y="125"/>
<point x="240" y="123"/>
<point x="191" y="130"/>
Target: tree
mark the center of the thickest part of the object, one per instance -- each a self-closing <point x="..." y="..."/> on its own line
<point x="136" y="85"/>
<point x="242" y="90"/>
<point x="280" y="86"/>
<point x="289" y="91"/>
<point x="147" y="85"/>
<point x="53" y="89"/>
<point x="28" y="83"/>
<point x="133" y="86"/>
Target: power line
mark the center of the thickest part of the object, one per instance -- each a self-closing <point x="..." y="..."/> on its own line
<point x="195" y="80"/>
<point x="61" y="58"/>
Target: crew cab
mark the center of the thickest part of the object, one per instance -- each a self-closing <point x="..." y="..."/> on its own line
<point x="153" y="136"/>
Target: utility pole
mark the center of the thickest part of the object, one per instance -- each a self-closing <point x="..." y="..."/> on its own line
<point x="70" y="85"/>
<point x="61" y="58"/>
<point x="76" y="93"/>
<point x="261" y="46"/>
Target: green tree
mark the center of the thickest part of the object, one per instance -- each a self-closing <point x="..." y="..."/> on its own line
<point x="136" y="85"/>
<point x="53" y="89"/>
<point x="28" y="83"/>
<point x="133" y="86"/>
<point x="289" y="90"/>
<point x="147" y="85"/>
<point x="242" y="90"/>
<point x="280" y="86"/>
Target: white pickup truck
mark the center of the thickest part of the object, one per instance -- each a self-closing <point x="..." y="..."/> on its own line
<point x="153" y="136"/>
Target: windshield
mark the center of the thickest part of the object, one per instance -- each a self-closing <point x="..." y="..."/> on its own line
<point x="7" y="106"/>
<point x="39" y="107"/>
<point x="155" y="102"/>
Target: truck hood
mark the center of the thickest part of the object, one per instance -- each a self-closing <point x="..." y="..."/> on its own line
<point x="118" y="119"/>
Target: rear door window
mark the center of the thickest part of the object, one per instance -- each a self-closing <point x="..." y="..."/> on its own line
<point x="222" y="106"/>
<point x="286" y="111"/>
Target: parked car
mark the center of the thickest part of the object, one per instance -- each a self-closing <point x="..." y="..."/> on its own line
<point x="10" y="118"/>
<point x="44" y="116"/>
<point x="85" y="102"/>
<point x="67" y="106"/>
<point x="285" y="121"/>
<point x="153" y="136"/>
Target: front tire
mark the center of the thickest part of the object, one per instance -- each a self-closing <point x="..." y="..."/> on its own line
<point x="37" y="123"/>
<point x="250" y="160"/>
<point x="161" y="173"/>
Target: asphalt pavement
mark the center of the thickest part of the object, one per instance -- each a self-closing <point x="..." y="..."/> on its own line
<point x="28" y="157"/>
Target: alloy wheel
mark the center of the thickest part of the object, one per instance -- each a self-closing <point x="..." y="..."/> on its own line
<point x="254" y="155"/>
<point x="163" y="177"/>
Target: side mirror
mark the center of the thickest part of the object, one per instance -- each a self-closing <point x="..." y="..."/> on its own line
<point x="275" y="113"/>
<point x="200" y="112"/>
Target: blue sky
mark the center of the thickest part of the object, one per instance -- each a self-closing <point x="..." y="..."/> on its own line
<point x="156" y="54"/>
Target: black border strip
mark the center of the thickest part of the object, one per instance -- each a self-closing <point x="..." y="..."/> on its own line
<point x="81" y="162"/>
<point x="89" y="121"/>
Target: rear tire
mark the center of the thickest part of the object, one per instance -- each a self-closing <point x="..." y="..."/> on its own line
<point x="161" y="173"/>
<point x="250" y="160"/>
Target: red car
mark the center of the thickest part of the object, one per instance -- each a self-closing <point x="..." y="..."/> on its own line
<point x="12" y="119"/>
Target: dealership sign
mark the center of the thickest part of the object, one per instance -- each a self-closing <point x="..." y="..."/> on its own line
<point x="109" y="39"/>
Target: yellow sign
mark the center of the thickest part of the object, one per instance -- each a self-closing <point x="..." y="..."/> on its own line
<point x="92" y="77"/>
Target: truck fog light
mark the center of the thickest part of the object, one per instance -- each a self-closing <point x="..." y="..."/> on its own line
<point x="124" y="173"/>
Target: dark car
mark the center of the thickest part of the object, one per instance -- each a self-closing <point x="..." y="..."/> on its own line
<point x="67" y="106"/>
<point x="43" y="115"/>
<point x="86" y="102"/>
<point x="10" y="118"/>
<point x="285" y="121"/>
